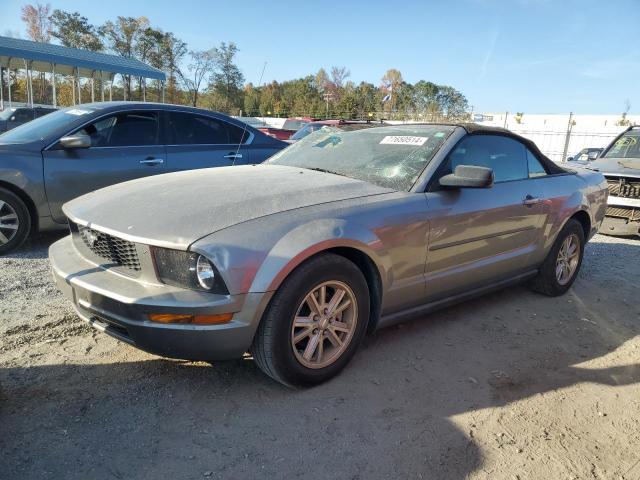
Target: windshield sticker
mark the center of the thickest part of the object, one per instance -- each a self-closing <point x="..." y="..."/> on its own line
<point x="403" y="140"/>
<point x="77" y="111"/>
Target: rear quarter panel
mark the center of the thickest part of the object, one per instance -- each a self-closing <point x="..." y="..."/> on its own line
<point x="564" y="196"/>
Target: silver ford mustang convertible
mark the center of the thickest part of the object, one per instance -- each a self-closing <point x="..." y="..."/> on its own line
<point x="295" y="260"/>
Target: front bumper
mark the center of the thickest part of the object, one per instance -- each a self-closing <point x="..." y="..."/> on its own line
<point x="118" y="305"/>
<point x="622" y="217"/>
<point x="619" y="227"/>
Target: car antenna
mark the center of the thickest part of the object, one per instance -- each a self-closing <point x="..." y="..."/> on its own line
<point x="244" y="129"/>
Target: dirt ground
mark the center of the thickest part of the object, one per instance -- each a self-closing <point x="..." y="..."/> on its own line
<point x="510" y="386"/>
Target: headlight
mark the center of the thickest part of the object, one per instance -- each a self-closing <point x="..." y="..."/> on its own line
<point x="188" y="270"/>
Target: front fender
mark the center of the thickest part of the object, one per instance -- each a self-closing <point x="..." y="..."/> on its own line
<point x="316" y="236"/>
<point x="257" y="256"/>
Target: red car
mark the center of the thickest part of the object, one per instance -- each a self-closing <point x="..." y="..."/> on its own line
<point x="291" y="126"/>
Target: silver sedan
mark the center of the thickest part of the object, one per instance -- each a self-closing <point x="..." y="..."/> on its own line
<point x="295" y="260"/>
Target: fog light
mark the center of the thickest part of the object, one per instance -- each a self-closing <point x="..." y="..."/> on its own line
<point x="193" y="319"/>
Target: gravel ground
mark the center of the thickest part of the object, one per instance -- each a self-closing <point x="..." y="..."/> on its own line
<point x="510" y="386"/>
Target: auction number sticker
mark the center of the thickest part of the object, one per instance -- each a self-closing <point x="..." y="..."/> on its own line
<point x="403" y="140"/>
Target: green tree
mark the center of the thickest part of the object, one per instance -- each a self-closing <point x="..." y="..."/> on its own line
<point x="227" y="79"/>
<point x="122" y="37"/>
<point x="201" y="65"/>
<point x="173" y="51"/>
<point x="74" y="30"/>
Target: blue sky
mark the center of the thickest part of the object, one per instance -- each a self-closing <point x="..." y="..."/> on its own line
<point x="533" y="56"/>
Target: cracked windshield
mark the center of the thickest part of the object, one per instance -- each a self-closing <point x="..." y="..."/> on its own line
<point x="391" y="157"/>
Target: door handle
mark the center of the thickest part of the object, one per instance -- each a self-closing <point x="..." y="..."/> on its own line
<point x="233" y="156"/>
<point x="530" y="201"/>
<point x="151" y="161"/>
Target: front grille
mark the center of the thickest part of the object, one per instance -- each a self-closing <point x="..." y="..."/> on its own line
<point x="116" y="250"/>
<point x="629" y="213"/>
<point x="624" y="187"/>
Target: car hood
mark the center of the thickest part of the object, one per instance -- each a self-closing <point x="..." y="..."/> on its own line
<point x="619" y="166"/>
<point x="176" y="209"/>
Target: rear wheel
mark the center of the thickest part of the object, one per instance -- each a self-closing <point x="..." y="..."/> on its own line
<point x="315" y="322"/>
<point x="560" y="268"/>
<point x="15" y="221"/>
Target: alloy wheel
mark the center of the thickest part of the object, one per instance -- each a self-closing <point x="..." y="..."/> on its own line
<point x="9" y="223"/>
<point x="324" y="324"/>
<point x="568" y="259"/>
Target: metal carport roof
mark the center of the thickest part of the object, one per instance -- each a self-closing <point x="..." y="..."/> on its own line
<point x="14" y="52"/>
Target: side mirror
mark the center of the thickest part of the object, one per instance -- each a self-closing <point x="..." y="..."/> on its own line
<point x="468" y="176"/>
<point x="569" y="159"/>
<point x="593" y="156"/>
<point x="79" y="140"/>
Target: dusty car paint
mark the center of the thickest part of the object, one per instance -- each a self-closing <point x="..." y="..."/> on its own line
<point x="425" y="248"/>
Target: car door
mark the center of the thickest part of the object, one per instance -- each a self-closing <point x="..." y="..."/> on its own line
<point x="201" y="141"/>
<point x="481" y="235"/>
<point x="124" y="146"/>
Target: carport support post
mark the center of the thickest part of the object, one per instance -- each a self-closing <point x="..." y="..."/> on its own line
<point x="101" y="86"/>
<point x="79" y="88"/>
<point x="568" y="137"/>
<point x="93" y="95"/>
<point x="162" y="83"/>
<point x="144" y="89"/>
<point x="9" y="79"/>
<point x="53" y="84"/>
<point x="111" y="87"/>
<point x="73" y="90"/>
<point x="27" y="67"/>
<point x="1" y="88"/>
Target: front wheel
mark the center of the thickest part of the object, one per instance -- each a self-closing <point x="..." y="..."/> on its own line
<point x="315" y="322"/>
<point x="15" y="221"/>
<point x="561" y="267"/>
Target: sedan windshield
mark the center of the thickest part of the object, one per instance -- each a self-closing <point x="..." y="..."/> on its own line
<point x="40" y="128"/>
<point x="392" y="157"/>
<point x="627" y="146"/>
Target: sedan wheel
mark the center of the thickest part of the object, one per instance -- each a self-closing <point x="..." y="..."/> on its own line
<point x="9" y="223"/>
<point x="560" y="268"/>
<point x="314" y="323"/>
<point x="15" y="221"/>
<point x="324" y="324"/>
<point x="568" y="259"/>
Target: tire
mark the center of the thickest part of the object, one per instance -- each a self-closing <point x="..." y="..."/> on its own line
<point x="15" y="221"/>
<point x="274" y="347"/>
<point x="547" y="281"/>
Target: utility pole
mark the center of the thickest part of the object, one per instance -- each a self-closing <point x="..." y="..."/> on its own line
<point x="327" y="96"/>
<point x="568" y="137"/>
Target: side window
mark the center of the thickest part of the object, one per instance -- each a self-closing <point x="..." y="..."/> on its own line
<point x="190" y="129"/>
<point x="236" y="134"/>
<point x="536" y="169"/>
<point x="126" y="129"/>
<point x="504" y="155"/>
<point x="23" y="115"/>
